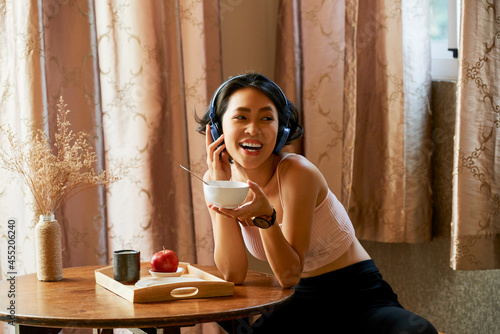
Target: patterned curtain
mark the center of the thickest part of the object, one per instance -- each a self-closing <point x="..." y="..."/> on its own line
<point x="132" y="74"/>
<point x="364" y="67"/>
<point x="476" y="187"/>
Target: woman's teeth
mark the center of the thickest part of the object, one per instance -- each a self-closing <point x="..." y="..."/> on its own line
<point x="251" y="146"/>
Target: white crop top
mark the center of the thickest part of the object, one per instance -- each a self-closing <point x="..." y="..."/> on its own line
<point x="332" y="234"/>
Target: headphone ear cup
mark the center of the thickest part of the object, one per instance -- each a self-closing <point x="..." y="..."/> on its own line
<point x="282" y="140"/>
<point x="215" y="130"/>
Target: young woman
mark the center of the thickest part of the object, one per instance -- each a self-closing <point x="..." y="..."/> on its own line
<point x="292" y="220"/>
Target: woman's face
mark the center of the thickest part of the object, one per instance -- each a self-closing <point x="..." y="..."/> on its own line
<point x="250" y="125"/>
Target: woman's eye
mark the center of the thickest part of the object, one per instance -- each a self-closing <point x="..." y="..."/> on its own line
<point x="239" y="117"/>
<point x="268" y="118"/>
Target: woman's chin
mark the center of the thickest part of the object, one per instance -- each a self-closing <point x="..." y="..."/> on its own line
<point x="250" y="160"/>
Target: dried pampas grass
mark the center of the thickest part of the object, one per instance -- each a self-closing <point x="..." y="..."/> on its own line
<point x="55" y="174"/>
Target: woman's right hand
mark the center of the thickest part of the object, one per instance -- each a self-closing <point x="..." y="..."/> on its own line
<point x="218" y="163"/>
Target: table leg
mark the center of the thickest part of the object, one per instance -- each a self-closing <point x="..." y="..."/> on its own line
<point x="236" y="325"/>
<point x="102" y="331"/>
<point x="21" y="329"/>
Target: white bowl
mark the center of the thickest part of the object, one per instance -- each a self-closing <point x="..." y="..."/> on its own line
<point x="177" y="273"/>
<point x="225" y="194"/>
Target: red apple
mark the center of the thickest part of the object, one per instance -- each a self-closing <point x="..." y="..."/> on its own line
<point x="165" y="261"/>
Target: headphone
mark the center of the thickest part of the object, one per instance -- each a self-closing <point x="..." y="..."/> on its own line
<point x="216" y="128"/>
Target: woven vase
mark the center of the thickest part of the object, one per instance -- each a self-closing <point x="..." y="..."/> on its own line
<point x="48" y="249"/>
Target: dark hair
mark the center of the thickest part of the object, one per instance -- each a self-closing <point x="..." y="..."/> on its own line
<point x="266" y="86"/>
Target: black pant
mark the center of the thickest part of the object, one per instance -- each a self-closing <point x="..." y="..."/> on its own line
<point x="354" y="299"/>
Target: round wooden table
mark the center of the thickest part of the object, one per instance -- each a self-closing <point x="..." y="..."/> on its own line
<point x="78" y="302"/>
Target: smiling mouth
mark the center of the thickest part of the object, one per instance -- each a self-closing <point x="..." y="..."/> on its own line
<point x="251" y="147"/>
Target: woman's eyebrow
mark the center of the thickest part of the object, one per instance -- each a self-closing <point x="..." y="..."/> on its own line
<point x="263" y="109"/>
<point x="266" y="108"/>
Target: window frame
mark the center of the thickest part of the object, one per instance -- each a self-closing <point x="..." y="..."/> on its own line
<point x="444" y="55"/>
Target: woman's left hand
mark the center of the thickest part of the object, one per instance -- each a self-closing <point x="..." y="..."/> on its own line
<point x="258" y="206"/>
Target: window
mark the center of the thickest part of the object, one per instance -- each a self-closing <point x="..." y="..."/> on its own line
<point x="444" y="30"/>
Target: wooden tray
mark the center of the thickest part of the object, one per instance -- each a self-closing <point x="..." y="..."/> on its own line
<point x="205" y="285"/>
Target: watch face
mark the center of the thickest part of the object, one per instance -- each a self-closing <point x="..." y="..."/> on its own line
<point x="261" y="222"/>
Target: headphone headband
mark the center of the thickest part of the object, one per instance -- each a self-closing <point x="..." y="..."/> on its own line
<point x="216" y="129"/>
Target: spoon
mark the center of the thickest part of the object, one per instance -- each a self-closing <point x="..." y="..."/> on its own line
<point x="194" y="175"/>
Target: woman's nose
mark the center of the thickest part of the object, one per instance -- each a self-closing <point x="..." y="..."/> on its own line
<point x="252" y="129"/>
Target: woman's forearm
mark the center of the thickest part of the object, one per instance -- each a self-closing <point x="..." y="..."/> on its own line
<point x="283" y="259"/>
<point x="229" y="254"/>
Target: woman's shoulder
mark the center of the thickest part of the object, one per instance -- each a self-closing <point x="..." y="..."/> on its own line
<point x="300" y="180"/>
<point x="298" y="168"/>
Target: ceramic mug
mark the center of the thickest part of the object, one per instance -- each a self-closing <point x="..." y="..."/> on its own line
<point x="127" y="265"/>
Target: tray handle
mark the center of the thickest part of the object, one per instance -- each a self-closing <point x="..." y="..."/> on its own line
<point x="184" y="292"/>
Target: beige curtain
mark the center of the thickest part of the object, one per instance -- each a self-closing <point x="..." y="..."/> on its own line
<point x="21" y="106"/>
<point x="132" y="73"/>
<point x="476" y="187"/>
<point x="364" y="95"/>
